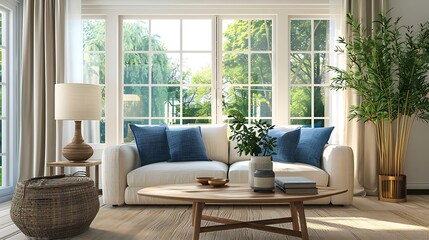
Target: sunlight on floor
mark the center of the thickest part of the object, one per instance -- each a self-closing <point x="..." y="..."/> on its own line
<point x="333" y="224"/>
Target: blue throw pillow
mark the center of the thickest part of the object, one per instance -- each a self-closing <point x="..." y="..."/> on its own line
<point x="151" y="143"/>
<point x="186" y="144"/>
<point x="286" y="144"/>
<point x="311" y="144"/>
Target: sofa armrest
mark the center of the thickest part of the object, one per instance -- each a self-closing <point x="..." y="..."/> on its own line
<point x="337" y="161"/>
<point x="117" y="162"/>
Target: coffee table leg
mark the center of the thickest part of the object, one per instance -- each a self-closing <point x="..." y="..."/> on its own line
<point x="197" y="210"/>
<point x="294" y="215"/>
<point x="303" y="222"/>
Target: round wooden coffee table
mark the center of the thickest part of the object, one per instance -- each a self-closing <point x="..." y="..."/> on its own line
<point x="199" y="195"/>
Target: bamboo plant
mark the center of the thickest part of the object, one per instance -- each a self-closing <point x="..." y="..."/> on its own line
<point x="387" y="68"/>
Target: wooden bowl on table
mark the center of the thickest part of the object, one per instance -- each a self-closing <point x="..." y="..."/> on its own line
<point x="218" y="182"/>
<point x="203" y="180"/>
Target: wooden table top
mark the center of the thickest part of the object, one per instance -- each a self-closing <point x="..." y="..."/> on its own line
<point x="231" y="193"/>
<point x="65" y="163"/>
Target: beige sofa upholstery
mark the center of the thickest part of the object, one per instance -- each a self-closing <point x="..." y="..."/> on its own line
<point x="123" y="176"/>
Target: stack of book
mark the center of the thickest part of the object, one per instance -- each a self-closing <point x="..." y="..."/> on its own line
<point x="296" y="185"/>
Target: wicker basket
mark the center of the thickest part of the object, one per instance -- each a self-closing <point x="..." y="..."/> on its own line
<point x="55" y="206"/>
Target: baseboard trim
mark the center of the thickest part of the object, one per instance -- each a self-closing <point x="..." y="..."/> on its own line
<point x="418" y="191"/>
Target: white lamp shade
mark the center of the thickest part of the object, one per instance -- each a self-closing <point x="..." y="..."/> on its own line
<point x="76" y="101"/>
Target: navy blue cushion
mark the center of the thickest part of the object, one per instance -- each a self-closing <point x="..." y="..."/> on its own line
<point x="186" y="144"/>
<point x="151" y="143"/>
<point x="311" y="144"/>
<point x="286" y="144"/>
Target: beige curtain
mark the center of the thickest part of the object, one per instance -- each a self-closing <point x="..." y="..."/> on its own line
<point x="361" y="136"/>
<point x="42" y="67"/>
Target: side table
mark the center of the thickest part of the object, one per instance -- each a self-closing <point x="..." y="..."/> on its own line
<point x="87" y="165"/>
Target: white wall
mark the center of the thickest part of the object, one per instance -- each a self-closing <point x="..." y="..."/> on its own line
<point x="414" y="12"/>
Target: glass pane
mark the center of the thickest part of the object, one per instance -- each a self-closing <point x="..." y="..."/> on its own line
<point x="197" y="68"/>
<point x="235" y="97"/>
<point x="2" y="160"/>
<point x="160" y="121"/>
<point x="197" y="102"/>
<point x="320" y="123"/>
<point x="168" y="121"/>
<point x="301" y="122"/>
<point x="166" y="68"/>
<point x="2" y="34"/>
<point x="197" y="35"/>
<point x="165" y="102"/>
<point x="136" y="68"/>
<point x="300" y="103"/>
<point x="321" y="35"/>
<point x="91" y="131"/>
<point x="261" y="35"/>
<point x="261" y="102"/>
<point x="235" y="68"/>
<point x="196" y="121"/>
<point x="1" y="100"/>
<point x="165" y="35"/>
<point x="94" y="68"/>
<point x="102" y="131"/>
<point x="300" y="35"/>
<point x="3" y="130"/>
<point x="94" y="34"/>
<point x="300" y="66"/>
<point x="320" y="71"/>
<point x="1" y="65"/>
<point x="320" y="101"/>
<point x="135" y="35"/>
<point x="261" y="72"/>
<point x="103" y="101"/>
<point x="235" y="35"/>
<point x="128" y="134"/>
<point x="135" y="100"/>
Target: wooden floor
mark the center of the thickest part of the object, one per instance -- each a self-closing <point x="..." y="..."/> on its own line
<point x="366" y="219"/>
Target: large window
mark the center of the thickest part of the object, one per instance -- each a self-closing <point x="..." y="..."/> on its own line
<point x="167" y="71"/>
<point x="309" y="51"/>
<point x="171" y="66"/>
<point x="94" y="59"/>
<point x="247" y="65"/>
<point x="181" y="63"/>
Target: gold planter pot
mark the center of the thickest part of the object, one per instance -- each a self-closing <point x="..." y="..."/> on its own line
<point x="392" y="188"/>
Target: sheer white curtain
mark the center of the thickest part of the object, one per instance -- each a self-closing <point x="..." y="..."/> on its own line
<point x="45" y="61"/>
<point x="358" y="135"/>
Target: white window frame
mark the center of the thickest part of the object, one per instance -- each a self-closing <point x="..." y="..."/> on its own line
<point x="181" y="85"/>
<point x="282" y="10"/>
<point x="11" y="79"/>
<point x="312" y="85"/>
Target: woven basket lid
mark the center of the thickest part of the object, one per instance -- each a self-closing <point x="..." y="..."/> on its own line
<point x="41" y="183"/>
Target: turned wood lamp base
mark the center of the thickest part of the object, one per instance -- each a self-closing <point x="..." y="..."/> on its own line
<point x="77" y="150"/>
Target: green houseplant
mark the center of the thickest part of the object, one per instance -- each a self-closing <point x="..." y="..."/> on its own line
<point x="252" y="140"/>
<point x="387" y="68"/>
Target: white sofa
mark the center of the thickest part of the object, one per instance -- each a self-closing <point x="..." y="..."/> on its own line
<point x="123" y="176"/>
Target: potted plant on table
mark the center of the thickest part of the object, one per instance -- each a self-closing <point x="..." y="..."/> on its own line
<point x="388" y="71"/>
<point x="252" y="139"/>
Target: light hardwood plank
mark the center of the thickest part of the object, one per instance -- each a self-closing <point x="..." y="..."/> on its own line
<point x="366" y="219"/>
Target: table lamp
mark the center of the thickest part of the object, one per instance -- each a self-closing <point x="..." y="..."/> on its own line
<point x="77" y="101"/>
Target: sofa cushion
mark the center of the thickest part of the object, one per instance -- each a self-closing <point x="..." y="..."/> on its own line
<point x="151" y="143"/>
<point x="175" y="172"/>
<point x="287" y="141"/>
<point x="239" y="172"/>
<point x="216" y="141"/>
<point x="186" y="144"/>
<point x="311" y="144"/>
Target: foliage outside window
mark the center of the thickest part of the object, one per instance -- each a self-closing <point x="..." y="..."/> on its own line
<point x="309" y="51"/>
<point x="94" y="58"/>
<point x="247" y="68"/>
